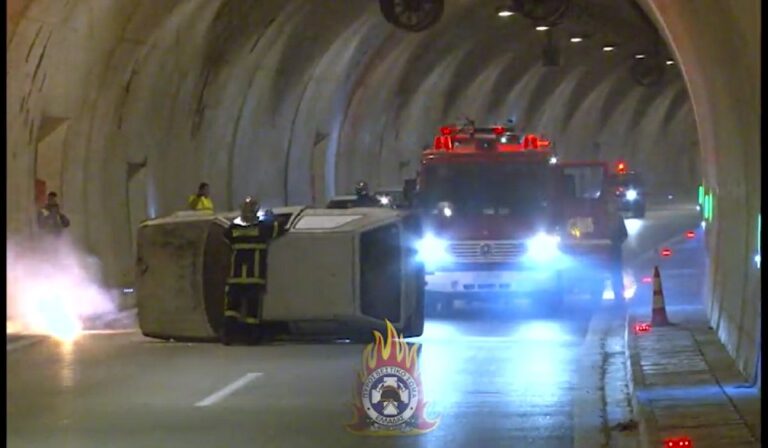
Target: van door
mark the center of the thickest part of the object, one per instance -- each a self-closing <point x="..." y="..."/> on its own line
<point x="583" y="183"/>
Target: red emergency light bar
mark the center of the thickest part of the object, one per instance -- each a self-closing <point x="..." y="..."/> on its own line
<point x="684" y="442"/>
<point x="445" y="141"/>
<point x="690" y="234"/>
<point x="621" y="168"/>
<point x="666" y="252"/>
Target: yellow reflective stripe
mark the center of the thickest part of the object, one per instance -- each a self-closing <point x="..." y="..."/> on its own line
<point x="248" y="246"/>
<point x="230" y="313"/>
<point x="246" y="232"/>
<point x="251" y="320"/>
<point x="256" y="254"/>
<point x="274" y="230"/>
<point x="232" y="265"/>
<point x="246" y="281"/>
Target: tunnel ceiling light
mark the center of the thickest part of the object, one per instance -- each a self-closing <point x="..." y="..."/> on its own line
<point x="577" y="39"/>
<point x="542" y="28"/>
<point x="505" y="12"/>
<point x="670" y="62"/>
<point x="609" y="47"/>
<point x="640" y="56"/>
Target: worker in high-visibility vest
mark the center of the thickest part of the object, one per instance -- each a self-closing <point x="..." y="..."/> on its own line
<point x="249" y="236"/>
<point x="202" y="200"/>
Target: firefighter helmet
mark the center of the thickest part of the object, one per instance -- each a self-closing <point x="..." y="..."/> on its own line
<point x="361" y="188"/>
<point x="249" y="210"/>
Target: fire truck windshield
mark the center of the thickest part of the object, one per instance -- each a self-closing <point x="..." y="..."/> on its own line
<point x="486" y="188"/>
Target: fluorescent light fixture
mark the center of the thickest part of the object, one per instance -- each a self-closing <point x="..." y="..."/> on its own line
<point x="640" y="56"/>
<point x="609" y="47"/>
<point x="670" y="62"/>
<point x="542" y="28"/>
<point x="577" y="39"/>
<point x="505" y="13"/>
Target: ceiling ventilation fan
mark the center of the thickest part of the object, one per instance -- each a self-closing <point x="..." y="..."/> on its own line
<point x="648" y="72"/>
<point x="412" y="15"/>
<point x="541" y="11"/>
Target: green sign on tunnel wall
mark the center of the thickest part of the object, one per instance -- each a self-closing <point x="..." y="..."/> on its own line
<point x="701" y="194"/>
<point x="705" y="206"/>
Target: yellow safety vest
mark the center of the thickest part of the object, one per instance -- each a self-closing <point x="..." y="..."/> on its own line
<point x="200" y="204"/>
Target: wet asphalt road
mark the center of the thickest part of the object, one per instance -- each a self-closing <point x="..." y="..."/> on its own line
<point x="494" y="377"/>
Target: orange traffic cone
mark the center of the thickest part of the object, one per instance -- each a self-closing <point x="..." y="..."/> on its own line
<point x="659" y="312"/>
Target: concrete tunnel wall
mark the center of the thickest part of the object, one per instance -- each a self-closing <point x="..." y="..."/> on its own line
<point x="295" y="100"/>
<point x="722" y="72"/>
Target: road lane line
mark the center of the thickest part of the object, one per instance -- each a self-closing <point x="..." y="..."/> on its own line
<point x="22" y="343"/>
<point x="222" y="393"/>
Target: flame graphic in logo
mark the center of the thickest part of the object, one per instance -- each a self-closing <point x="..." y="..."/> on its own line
<point x="391" y="355"/>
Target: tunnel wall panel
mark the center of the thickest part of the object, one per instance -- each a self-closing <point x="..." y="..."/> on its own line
<point x="722" y="72"/>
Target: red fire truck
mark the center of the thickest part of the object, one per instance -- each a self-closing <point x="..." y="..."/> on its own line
<point x="502" y="217"/>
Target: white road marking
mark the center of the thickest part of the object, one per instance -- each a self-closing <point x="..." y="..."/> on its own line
<point x="22" y="343"/>
<point x="222" y="393"/>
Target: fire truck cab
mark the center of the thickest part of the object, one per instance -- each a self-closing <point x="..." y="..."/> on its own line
<point x="503" y="218"/>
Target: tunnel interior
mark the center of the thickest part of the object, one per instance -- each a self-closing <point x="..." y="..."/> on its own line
<point x="123" y="107"/>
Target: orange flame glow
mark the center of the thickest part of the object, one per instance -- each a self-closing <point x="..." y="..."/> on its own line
<point x="390" y="352"/>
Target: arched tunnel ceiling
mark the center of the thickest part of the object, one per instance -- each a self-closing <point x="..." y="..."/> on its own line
<point x="295" y="100"/>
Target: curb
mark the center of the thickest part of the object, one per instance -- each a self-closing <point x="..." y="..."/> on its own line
<point x="643" y="413"/>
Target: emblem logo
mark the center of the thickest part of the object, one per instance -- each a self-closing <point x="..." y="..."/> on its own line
<point x="486" y="250"/>
<point x="389" y="399"/>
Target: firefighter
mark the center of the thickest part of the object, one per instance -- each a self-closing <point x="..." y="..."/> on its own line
<point x="363" y="196"/>
<point x="50" y="219"/>
<point x="618" y="235"/>
<point x="248" y="236"/>
<point x="201" y="201"/>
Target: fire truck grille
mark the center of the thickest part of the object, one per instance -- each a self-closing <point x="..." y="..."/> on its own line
<point x="487" y="251"/>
